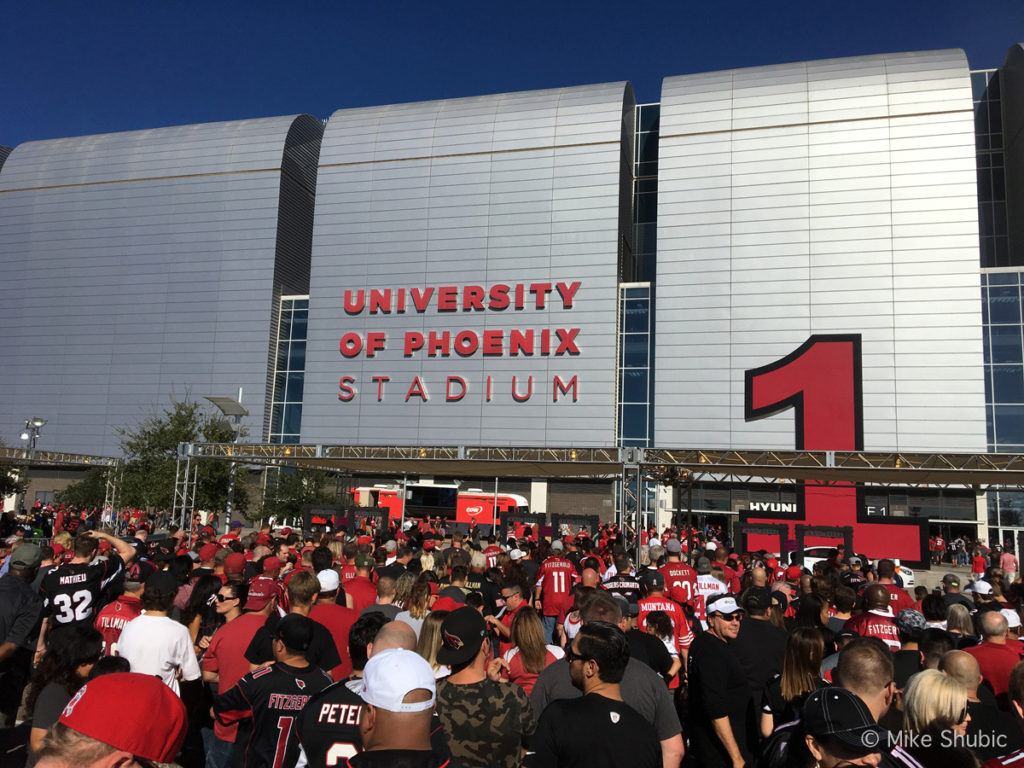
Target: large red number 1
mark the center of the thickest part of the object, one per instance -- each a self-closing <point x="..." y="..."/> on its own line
<point x="821" y="381"/>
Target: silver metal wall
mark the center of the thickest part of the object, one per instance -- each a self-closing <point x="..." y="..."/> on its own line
<point x="519" y="187"/>
<point x="144" y="265"/>
<point x="1012" y="81"/>
<point x="833" y="196"/>
<point x="4" y="152"/>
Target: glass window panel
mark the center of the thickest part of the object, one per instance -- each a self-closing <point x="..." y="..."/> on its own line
<point x="993" y="508"/>
<point x="1002" y="251"/>
<point x="646" y="239"/>
<point x="635" y="315"/>
<point x="281" y="364"/>
<point x="280" y="382"/>
<point x="295" y="382"/>
<point x="999" y="219"/>
<point x="276" y="416"/>
<point x="1006" y="343"/>
<point x="650" y="118"/>
<point x="634" y="385"/>
<point x="634" y="350"/>
<point x="647" y="207"/>
<point x="998" y="184"/>
<point x="292" y="418"/>
<point x="634" y="421"/>
<point x="1009" y="425"/>
<point x="297" y="359"/>
<point x="639" y="292"/>
<point x="985" y="183"/>
<point x="647" y="147"/>
<point x="1007" y="384"/>
<point x="1004" y="304"/>
<point x="990" y="426"/>
<point x="286" y="323"/>
<point x="1011" y="508"/>
<point x="647" y="169"/>
<point x="984" y="302"/>
<point x="979" y="82"/>
<point x="995" y="119"/>
<point x="298" y="326"/>
<point x="302" y="303"/>
<point x="985" y="227"/>
<point x="981" y="142"/>
<point x="646" y="185"/>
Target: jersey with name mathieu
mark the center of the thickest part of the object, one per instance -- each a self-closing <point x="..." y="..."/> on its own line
<point x="277" y="696"/>
<point x="71" y="593"/>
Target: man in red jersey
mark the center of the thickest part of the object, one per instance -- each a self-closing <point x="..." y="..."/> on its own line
<point x="876" y="620"/>
<point x="555" y="579"/>
<point x="112" y="618"/>
<point x="995" y="657"/>
<point x="360" y="592"/>
<point x="680" y="578"/>
<point x="898" y="598"/>
<point x="337" y="618"/>
<point x="657" y="600"/>
<point x="224" y="662"/>
<point x="491" y="552"/>
<point x="512" y="594"/>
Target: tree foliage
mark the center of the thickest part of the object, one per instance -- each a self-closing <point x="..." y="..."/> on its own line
<point x="151" y="451"/>
<point x="289" y="489"/>
<point x="90" y="491"/>
<point x="9" y="479"/>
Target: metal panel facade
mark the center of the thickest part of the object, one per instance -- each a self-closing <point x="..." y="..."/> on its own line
<point x="517" y="188"/>
<point x="4" y="152"/>
<point x="140" y="266"/>
<point x="834" y="196"/>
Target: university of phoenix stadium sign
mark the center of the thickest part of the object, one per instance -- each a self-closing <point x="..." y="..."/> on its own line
<point x="509" y="341"/>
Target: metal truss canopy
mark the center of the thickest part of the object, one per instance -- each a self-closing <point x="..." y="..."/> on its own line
<point x="970" y="470"/>
<point x="22" y="457"/>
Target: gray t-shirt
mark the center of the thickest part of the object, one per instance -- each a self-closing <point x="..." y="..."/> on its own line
<point x="390" y="610"/>
<point x="51" y="702"/>
<point x="642" y="688"/>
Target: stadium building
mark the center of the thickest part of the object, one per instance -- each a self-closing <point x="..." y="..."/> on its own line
<point x="815" y="255"/>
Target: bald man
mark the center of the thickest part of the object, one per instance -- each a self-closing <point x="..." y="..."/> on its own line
<point x="995" y="658"/>
<point x="394" y="634"/>
<point x="758" y="577"/>
<point x="876" y="620"/>
<point x="987" y="721"/>
<point x="590" y="578"/>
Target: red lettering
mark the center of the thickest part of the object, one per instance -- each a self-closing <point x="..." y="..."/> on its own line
<point x="380" y="301"/>
<point x="499" y="297"/>
<point x="515" y="389"/>
<point x="488" y="395"/>
<point x="567" y="292"/>
<point x="492" y="343"/>
<point x="413" y="342"/>
<point x="567" y="341"/>
<point x="452" y="397"/>
<point x="545" y="341"/>
<point x="439" y="344"/>
<point x="351" y="344"/>
<point x="346" y="391"/>
<point x="466" y="343"/>
<point x="520" y="342"/>
<point x="447" y="298"/>
<point x="421" y="298"/>
<point x="375" y="342"/>
<point x="520" y="296"/>
<point x="417" y="389"/>
<point x="400" y="301"/>
<point x="381" y="381"/>
<point x="540" y="291"/>
<point x="563" y="388"/>
<point x="354" y="305"/>
<point x="473" y="298"/>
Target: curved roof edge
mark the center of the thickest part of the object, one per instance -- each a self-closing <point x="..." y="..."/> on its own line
<point x="236" y="146"/>
<point x="4" y="152"/>
<point x="502" y="122"/>
<point x="1015" y="55"/>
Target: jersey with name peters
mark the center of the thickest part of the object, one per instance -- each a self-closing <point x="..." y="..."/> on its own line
<point x="276" y="695"/>
<point x="71" y="593"/>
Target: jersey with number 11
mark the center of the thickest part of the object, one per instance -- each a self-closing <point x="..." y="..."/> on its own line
<point x="555" y="579"/>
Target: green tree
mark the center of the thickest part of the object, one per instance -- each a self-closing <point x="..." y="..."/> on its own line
<point x="10" y="483"/>
<point x="290" y="488"/>
<point x="90" y="491"/>
<point x="151" y="451"/>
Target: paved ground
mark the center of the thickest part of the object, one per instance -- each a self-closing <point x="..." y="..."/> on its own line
<point x="932" y="578"/>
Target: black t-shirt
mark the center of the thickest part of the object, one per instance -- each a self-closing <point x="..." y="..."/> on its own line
<point x="760" y="648"/>
<point x="394" y="571"/>
<point x="718" y="688"/>
<point x="593" y="732"/>
<point x="992" y="731"/>
<point x="906" y="664"/>
<point x="625" y="585"/>
<point x="277" y="696"/>
<point x="957" y="598"/>
<point x="645" y="647"/>
<point x="328" y="727"/>
<point x="477" y="582"/>
<point x="71" y="593"/>
<point x="322" y="651"/>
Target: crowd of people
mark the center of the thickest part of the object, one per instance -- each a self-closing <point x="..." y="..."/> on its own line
<point x="412" y="645"/>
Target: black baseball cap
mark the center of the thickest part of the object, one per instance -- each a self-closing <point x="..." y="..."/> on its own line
<point x="653" y="580"/>
<point x="462" y="633"/>
<point x="162" y="582"/>
<point x="161" y="552"/>
<point x="296" y="632"/>
<point x="839" y="714"/>
<point x="757" y="599"/>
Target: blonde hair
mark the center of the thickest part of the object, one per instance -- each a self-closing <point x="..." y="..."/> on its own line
<point x="69" y="747"/>
<point x="337" y="550"/>
<point x="958" y="619"/>
<point x="932" y="701"/>
<point x="430" y="638"/>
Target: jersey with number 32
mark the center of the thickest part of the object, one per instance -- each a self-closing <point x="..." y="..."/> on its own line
<point x="71" y="593"/>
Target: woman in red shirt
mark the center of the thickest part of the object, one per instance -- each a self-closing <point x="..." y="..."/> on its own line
<point x="529" y="656"/>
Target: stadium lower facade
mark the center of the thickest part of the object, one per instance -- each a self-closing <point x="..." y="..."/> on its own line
<point x="821" y="255"/>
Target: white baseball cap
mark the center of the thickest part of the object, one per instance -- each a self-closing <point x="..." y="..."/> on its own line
<point x="711" y="546"/>
<point x="723" y="603"/>
<point x="391" y="675"/>
<point x="1012" y="617"/>
<point x="328" y="579"/>
<point x="517" y="554"/>
<point x="981" y="588"/>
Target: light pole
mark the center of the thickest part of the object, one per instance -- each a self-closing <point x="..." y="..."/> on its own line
<point x="33" y="427"/>
<point x="234" y="410"/>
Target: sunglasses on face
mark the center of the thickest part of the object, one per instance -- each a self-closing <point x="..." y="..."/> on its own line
<point x="222" y="598"/>
<point x="726" y="617"/>
<point x="509" y="597"/>
<point x="571" y="656"/>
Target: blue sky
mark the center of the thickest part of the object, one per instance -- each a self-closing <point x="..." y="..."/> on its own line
<point x="73" y="68"/>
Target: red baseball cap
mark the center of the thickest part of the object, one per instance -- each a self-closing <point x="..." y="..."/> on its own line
<point x="285" y="532"/>
<point x="429" y="545"/>
<point x="794" y="572"/>
<point x="207" y="552"/>
<point x="446" y="604"/>
<point x="207" y="530"/>
<point x="261" y="591"/>
<point x="131" y="712"/>
<point x="272" y="565"/>
<point x="234" y="563"/>
<point x="263" y="539"/>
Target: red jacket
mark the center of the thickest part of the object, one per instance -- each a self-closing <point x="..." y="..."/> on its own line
<point x="874" y="624"/>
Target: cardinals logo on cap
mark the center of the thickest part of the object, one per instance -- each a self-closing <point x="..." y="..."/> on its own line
<point x="453" y="641"/>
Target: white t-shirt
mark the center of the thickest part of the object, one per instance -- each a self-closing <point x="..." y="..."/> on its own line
<point x="160" y="646"/>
